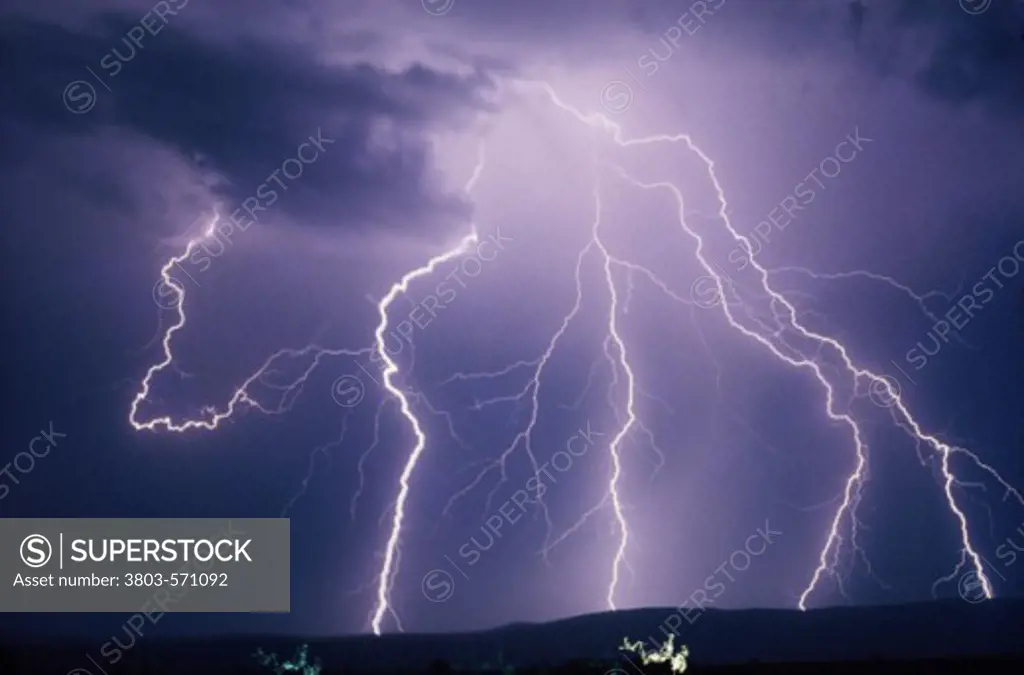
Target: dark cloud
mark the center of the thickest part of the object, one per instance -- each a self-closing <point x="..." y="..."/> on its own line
<point x="224" y="94"/>
<point x="950" y="54"/>
<point x="242" y="110"/>
<point x="979" y="58"/>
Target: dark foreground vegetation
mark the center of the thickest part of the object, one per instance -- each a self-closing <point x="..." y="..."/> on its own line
<point x="935" y="638"/>
<point x="15" y="663"/>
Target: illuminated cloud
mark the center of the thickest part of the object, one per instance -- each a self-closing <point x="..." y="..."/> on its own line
<point x="707" y="430"/>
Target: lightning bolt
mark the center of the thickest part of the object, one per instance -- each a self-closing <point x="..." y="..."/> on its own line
<point x="788" y="316"/>
<point x="790" y="342"/>
<point x="532" y="389"/>
<point x="920" y="299"/>
<point x="613" y="332"/>
<point x="242" y="398"/>
<point x="389" y="567"/>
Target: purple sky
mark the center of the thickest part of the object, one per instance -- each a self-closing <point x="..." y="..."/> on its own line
<point x="870" y="151"/>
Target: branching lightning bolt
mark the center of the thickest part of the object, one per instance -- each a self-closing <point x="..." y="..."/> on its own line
<point x="921" y="299"/>
<point x="532" y="389"/>
<point x="789" y="316"/>
<point x="242" y="397"/>
<point x="613" y="332"/>
<point x="791" y="342"/>
<point x="389" y="568"/>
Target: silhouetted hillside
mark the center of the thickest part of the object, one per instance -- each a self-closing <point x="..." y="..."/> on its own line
<point x="717" y="638"/>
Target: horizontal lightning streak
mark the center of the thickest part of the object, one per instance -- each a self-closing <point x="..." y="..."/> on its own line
<point x="212" y="417"/>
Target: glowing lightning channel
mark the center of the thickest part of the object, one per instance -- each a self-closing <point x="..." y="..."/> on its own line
<point x="533" y="386"/>
<point x="632" y="419"/>
<point x="921" y="299"/>
<point x="179" y="306"/>
<point x="613" y="331"/>
<point x="857" y="476"/>
<point x="212" y="417"/>
<point x="533" y="389"/>
<point x="773" y="340"/>
<point x="389" y="568"/>
<point x="855" y="479"/>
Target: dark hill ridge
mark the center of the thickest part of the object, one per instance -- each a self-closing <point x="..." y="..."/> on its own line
<point x="901" y="632"/>
<point x="927" y="630"/>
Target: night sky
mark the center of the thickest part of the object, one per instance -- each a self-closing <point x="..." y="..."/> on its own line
<point x="871" y="153"/>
